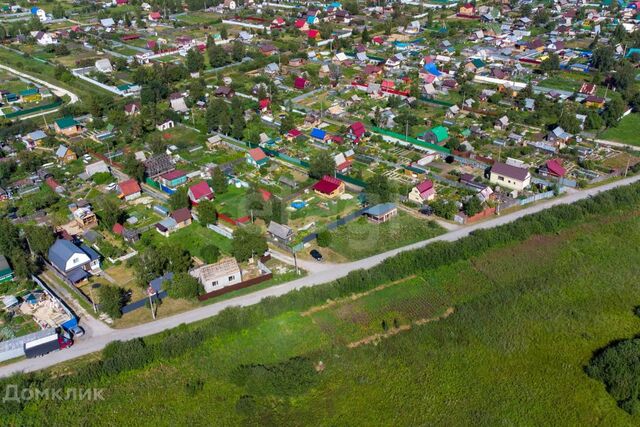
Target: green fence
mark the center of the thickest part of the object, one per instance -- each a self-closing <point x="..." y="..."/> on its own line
<point x="152" y="183"/>
<point x="411" y="140"/>
<point x="54" y="104"/>
<point x="436" y="102"/>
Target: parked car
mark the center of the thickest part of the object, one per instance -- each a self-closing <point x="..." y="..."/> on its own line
<point x="426" y="210"/>
<point x="77" y="331"/>
<point x="316" y="255"/>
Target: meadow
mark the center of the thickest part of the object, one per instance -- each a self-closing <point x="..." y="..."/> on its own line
<point x="499" y="336"/>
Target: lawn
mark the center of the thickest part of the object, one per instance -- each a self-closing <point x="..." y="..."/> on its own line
<point x="191" y="238"/>
<point x="523" y="321"/>
<point x="232" y="202"/>
<point x="627" y="131"/>
<point x="362" y="238"/>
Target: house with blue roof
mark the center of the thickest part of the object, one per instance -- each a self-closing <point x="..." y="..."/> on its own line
<point x="318" y="134"/>
<point x="75" y="262"/>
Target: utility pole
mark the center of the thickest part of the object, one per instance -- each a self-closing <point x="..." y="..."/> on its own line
<point x="295" y="262"/>
<point x="151" y="292"/>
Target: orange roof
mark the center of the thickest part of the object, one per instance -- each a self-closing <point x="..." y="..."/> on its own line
<point x="129" y="187"/>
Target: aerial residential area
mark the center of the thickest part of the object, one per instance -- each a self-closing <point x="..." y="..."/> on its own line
<point x="284" y="212"/>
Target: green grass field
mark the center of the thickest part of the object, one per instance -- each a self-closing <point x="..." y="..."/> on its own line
<point x="627" y="131"/>
<point x="524" y="319"/>
<point x="361" y="238"/>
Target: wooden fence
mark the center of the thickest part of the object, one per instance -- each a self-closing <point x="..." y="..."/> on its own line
<point x="237" y="286"/>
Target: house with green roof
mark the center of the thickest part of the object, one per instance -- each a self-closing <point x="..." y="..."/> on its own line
<point x="30" y="95"/>
<point x="6" y="273"/>
<point x="67" y="126"/>
<point x="437" y="135"/>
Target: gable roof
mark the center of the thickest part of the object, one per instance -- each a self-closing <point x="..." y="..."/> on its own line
<point x="318" y="133"/>
<point x="66" y="122"/>
<point x="200" y="190"/>
<point x="61" y="151"/>
<point x="327" y="184"/>
<point x="554" y="166"/>
<point x="61" y="252"/>
<point x="257" y="154"/>
<point x="510" y="171"/>
<point x="181" y="215"/>
<point x="440" y="132"/>
<point x="129" y="187"/>
<point x="281" y="231"/>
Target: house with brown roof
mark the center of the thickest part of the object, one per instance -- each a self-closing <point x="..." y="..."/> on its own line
<point x="329" y="187"/>
<point x="129" y="190"/>
<point x="221" y="274"/>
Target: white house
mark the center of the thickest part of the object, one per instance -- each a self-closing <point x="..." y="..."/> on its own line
<point x="44" y="39"/>
<point x="75" y="262"/>
<point x="511" y="177"/>
<point x="223" y="273"/>
<point x="166" y="125"/>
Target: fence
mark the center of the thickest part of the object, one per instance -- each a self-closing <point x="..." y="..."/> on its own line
<point x="226" y="219"/>
<point x="222" y="231"/>
<point x="332" y="226"/>
<point x="537" y="197"/>
<point x="142" y="302"/>
<point x="410" y="139"/>
<point x="123" y="257"/>
<point x="54" y="104"/>
<point x="237" y="286"/>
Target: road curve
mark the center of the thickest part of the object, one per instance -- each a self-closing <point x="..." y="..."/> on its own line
<point x="102" y="338"/>
<point x="57" y="90"/>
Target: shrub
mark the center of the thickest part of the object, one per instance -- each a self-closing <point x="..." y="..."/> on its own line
<point x="324" y="238"/>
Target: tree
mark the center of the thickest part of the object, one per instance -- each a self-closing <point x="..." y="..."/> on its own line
<point x="624" y="77"/>
<point x="194" y="60"/>
<point x="207" y="213"/>
<point x="58" y="11"/>
<point x="324" y="238"/>
<point x="110" y="213"/>
<point x="40" y="238"/>
<point x="178" y="259"/>
<point x="365" y="37"/>
<point x="472" y="206"/>
<point x="238" y="124"/>
<point x="321" y="164"/>
<point x="183" y="286"/>
<point x="569" y="122"/>
<point x="379" y="189"/>
<point x="219" y="181"/>
<point x="3" y="33"/>
<point x="217" y="56"/>
<point x="223" y="33"/>
<point x="552" y="63"/>
<point x="603" y="58"/>
<point x="179" y="199"/>
<point x="247" y="242"/>
<point x="238" y="51"/>
<point x="278" y="211"/>
<point x="287" y="123"/>
<point x="443" y="208"/>
<point x="214" y="113"/>
<point x="133" y="167"/>
<point x="593" y="121"/>
<point x="613" y="111"/>
<point x="112" y="300"/>
<point x="9" y="237"/>
<point x="210" y="253"/>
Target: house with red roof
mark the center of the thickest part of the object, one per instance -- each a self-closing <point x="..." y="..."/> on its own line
<point x="554" y="167"/>
<point x="278" y="22"/>
<point x="266" y="195"/>
<point x="467" y="9"/>
<point x="300" y="83"/>
<point x="129" y="189"/>
<point x="423" y="192"/>
<point x="263" y="104"/>
<point x="301" y="24"/>
<point x="329" y="187"/>
<point x="53" y="184"/>
<point x="155" y="16"/>
<point x="356" y="131"/>
<point x="313" y="34"/>
<point x="378" y="40"/>
<point x="173" y="179"/>
<point x="199" y="192"/>
<point x="257" y="157"/>
<point x="293" y="134"/>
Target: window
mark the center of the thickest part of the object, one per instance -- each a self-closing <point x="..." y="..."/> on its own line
<point x="214" y="283"/>
<point x="231" y="278"/>
<point x="500" y="178"/>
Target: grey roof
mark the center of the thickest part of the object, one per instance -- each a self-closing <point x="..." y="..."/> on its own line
<point x="36" y="135"/>
<point x="61" y="251"/>
<point x="157" y="283"/>
<point x="380" y="209"/>
<point x="4" y="264"/>
<point x="280" y="231"/>
<point x="61" y="151"/>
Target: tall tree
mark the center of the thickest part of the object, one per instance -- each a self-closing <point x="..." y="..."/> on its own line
<point x="248" y="241"/>
<point x="179" y="199"/>
<point x="321" y="164"/>
<point x="40" y="238"/>
<point x="219" y="181"/>
<point x="207" y="212"/>
<point x="194" y="60"/>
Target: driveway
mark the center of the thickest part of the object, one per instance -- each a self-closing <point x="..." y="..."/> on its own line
<point x="336" y="271"/>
